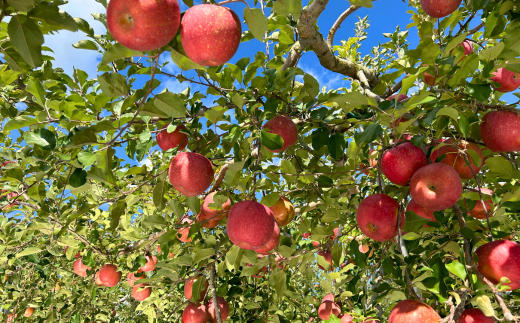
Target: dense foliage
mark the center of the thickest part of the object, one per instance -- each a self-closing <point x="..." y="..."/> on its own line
<point x="73" y="176"/>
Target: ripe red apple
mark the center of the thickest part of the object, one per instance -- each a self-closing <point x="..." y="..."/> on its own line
<point x="141" y="295"/>
<point x="184" y="232"/>
<point x="440" y="8"/>
<point x="328" y="258"/>
<point x="410" y="310"/>
<point x="430" y="79"/>
<point x="364" y="249"/>
<point x="80" y="269"/>
<point x="173" y="139"/>
<point x="151" y="261"/>
<point x="206" y="221"/>
<point x="210" y="34"/>
<point x="283" y="211"/>
<point x="195" y="314"/>
<point x="11" y="317"/>
<point x="508" y="80"/>
<point x="499" y="259"/>
<point x="453" y="159"/>
<point x="346" y="318"/>
<point x="420" y="211"/>
<point x="223" y="306"/>
<point x="306" y="235"/>
<point x="436" y="187"/>
<point x="250" y="225"/>
<point x="143" y="25"/>
<point x="284" y="127"/>
<point x="401" y="162"/>
<point x="131" y="278"/>
<point x="272" y="243"/>
<point x="377" y="217"/>
<point x="190" y="173"/>
<point x="400" y="98"/>
<point x="478" y="211"/>
<point x="500" y="131"/>
<point x="327" y="308"/>
<point x="97" y="280"/>
<point x="188" y="288"/>
<point x="213" y="211"/>
<point x="468" y="47"/>
<point x="28" y="312"/>
<point x="109" y="275"/>
<point x="474" y="315"/>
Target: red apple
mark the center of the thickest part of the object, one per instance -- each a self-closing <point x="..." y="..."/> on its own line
<point x="223" y="306"/>
<point x="206" y="221"/>
<point x="131" y="278"/>
<point x="284" y="127"/>
<point x="80" y="269"/>
<point x="188" y="288"/>
<point x="410" y="310"/>
<point x="273" y="242"/>
<point x="401" y="162"/>
<point x="436" y="187"/>
<point x="279" y="261"/>
<point x="327" y="308"/>
<point x="28" y="312"/>
<point x="328" y="258"/>
<point x="478" y="211"/>
<point x="500" y="131"/>
<point x="109" y="275"/>
<point x="474" y="315"/>
<point x="283" y="211"/>
<point x="430" y="79"/>
<point x="400" y="98"/>
<point x="250" y="225"/>
<point x="453" y="159"/>
<point x="499" y="259"/>
<point x="141" y="295"/>
<point x="316" y="244"/>
<point x="440" y="8"/>
<point x="184" y="232"/>
<point x="151" y="261"/>
<point x="143" y="25"/>
<point x="364" y="249"/>
<point x="377" y="217"/>
<point x="213" y="211"/>
<point x="346" y="318"/>
<point x="190" y="173"/>
<point x="11" y="317"/>
<point x="210" y="34"/>
<point x="468" y="47"/>
<point x="195" y="314"/>
<point x="508" y="80"/>
<point x="370" y="320"/>
<point x="420" y="211"/>
<point x="173" y="139"/>
<point x="306" y="235"/>
<point x="97" y="280"/>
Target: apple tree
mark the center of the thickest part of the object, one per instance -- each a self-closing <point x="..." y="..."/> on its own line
<point x="393" y="198"/>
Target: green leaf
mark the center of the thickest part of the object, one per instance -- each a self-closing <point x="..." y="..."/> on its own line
<point x="337" y="145"/>
<point x="118" y="51"/>
<point x="26" y="38"/>
<point x="183" y="62"/>
<point x="354" y="99"/>
<point x="467" y="233"/>
<point x="257" y="22"/>
<point x="337" y="254"/>
<point x="171" y="104"/>
<point x="116" y="211"/>
<point x="320" y="138"/>
<point x="450" y="112"/>
<point x="481" y="92"/>
<point x="463" y="125"/>
<point x="490" y="53"/>
<point x="215" y="114"/>
<point x="362" y="3"/>
<point x="500" y="165"/>
<point x="41" y="137"/>
<point x="78" y="178"/>
<point x="28" y="251"/>
<point x="413" y="222"/>
<point x="457" y="269"/>
<point x="22" y="5"/>
<point x="86" y="44"/>
<point x="411" y="236"/>
<point x="270" y="199"/>
<point x="193" y="203"/>
<point x="430" y="53"/>
<point x="371" y="133"/>
<point x="36" y="89"/>
<point x="203" y="254"/>
<point x="52" y="15"/>
<point x="484" y="304"/>
<point x="158" y="195"/>
<point x="113" y="84"/>
<point x="431" y="284"/>
<point x="286" y="7"/>
<point x="271" y="140"/>
<point x="86" y="158"/>
<point x="19" y="122"/>
<point x="418" y="140"/>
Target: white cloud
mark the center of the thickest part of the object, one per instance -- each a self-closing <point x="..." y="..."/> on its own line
<point x="146" y="162"/>
<point x="324" y="77"/>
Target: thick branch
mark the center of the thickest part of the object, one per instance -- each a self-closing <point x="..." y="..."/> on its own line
<point x="339" y="21"/>
<point x="484" y="107"/>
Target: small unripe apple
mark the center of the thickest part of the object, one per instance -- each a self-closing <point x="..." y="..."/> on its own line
<point x="109" y="275"/>
<point x="151" y="261"/>
<point x="409" y="311"/>
<point x="508" y="80"/>
<point x="80" y="269"/>
<point x="143" y="25"/>
<point x="188" y="288"/>
<point x="283" y="211"/>
<point x="210" y="34"/>
<point x="141" y="295"/>
<point x="223" y="306"/>
<point x="285" y="128"/>
<point x="250" y="225"/>
<point x="500" y="131"/>
<point x="401" y="162"/>
<point x="436" y="187"/>
<point x="173" y="139"/>
<point x="440" y="8"/>
<point x="190" y="173"/>
<point x="272" y="243"/>
<point x="195" y="314"/>
<point x="377" y="217"/>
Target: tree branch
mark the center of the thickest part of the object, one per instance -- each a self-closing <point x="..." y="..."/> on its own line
<point x="339" y="21"/>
